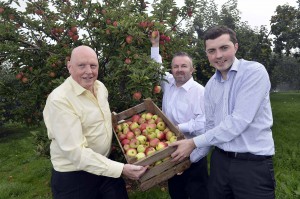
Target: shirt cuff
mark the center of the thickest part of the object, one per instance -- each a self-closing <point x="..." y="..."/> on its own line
<point x="115" y="169"/>
<point x="199" y="153"/>
<point x="184" y="127"/>
<point x="201" y="141"/>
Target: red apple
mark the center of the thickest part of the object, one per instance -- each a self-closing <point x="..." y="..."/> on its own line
<point x="143" y="126"/>
<point x="189" y="12"/>
<point x="151" y="128"/>
<point x="135" y="118"/>
<point x="115" y="23"/>
<point x="127" y="61"/>
<point x="19" y="75"/>
<point x="24" y="80"/>
<point x="75" y="37"/>
<point x="161" y="145"/>
<point x="134" y="143"/>
<point x="1" y="10"/>
<point x="149" y="150"/>
<point x="108" y="21"/>
<point x="156" y="89"/>
<point x="130" y="135"/>
<point x="160" y="135"/>
<point x="129" y="39"/>
<point x="154" y="34"/>
<point x="118" y="128"/>
<point x="126" y="147"/>
<point x="151" y="135"/>
<point x="74" y="29"/>
<point x="137" y="95"/>
<point x="137" y="132"/>
<point x="141" y="121"/>
<point x="121" y="136"/>
<point x="158" y="120"/>
<point x="154" y="142"/>
<point x="125" y="141"/>
<point x="151" y="121"/>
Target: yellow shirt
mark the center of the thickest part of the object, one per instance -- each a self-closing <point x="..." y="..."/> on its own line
<point x="79" y="126"/>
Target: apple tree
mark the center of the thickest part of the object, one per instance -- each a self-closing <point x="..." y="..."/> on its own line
<point x="37" y="37"/>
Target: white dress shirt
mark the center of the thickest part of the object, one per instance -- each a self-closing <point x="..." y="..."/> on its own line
<point x="184" y="106"/>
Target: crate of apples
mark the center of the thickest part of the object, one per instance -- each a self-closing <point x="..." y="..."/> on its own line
<point x="144" y="134"/>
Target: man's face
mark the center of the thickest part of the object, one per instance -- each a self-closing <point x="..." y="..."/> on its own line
<point x="221" y="53"/>
<point x="182" y="69"/>
<point x="83" y="67"/>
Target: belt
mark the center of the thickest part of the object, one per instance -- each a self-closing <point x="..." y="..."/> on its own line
<point x="243" y="156"/>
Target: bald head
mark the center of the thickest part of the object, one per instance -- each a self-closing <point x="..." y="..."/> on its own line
<point x="83" y="66"/>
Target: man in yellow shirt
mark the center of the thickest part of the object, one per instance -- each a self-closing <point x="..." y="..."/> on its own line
<point x="78" y="121"/>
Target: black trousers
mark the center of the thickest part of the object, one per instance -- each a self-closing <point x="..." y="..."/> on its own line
<point x="84" y="185"/>
<point x="245" y="178"/>
<point x="192" y="183"/>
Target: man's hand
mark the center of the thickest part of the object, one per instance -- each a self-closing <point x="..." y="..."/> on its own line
<point x="184" y="149"/>
<point x="154" y="40"/>
<point x="133" y="172"/>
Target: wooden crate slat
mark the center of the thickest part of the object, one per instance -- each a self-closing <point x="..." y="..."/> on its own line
<point x="165" y="175"/>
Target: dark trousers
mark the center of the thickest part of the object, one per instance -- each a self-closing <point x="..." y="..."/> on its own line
<point x="84" y="185"/>
<point x="246" y="178"/>
<point x="192" y="183"/>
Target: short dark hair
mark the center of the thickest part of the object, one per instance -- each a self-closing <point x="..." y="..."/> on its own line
<point x="183" y="54"/>
<point x="216" y="31"/>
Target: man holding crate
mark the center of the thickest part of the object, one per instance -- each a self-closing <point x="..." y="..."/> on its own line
<point x="78" y="121"/>
<point x="183" y="104"/>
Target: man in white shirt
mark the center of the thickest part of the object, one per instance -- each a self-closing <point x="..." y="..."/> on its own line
<point x="183" y="103"/>
<point x="238" y="123"/>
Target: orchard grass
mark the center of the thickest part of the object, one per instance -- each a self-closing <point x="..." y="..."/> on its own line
<point x="23" y="174"/>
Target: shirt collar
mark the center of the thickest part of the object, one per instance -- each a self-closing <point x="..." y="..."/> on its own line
<point x="185" y="86"/>
<point x="77" y="88"/>
<point x="234" y="67"/>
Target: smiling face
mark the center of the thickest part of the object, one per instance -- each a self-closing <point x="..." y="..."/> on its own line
<point x="221" y="53"/>
<point x="83" y="66"/>
<point x="182" y="69"/>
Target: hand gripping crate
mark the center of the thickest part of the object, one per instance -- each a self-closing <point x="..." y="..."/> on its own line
<point x="167" y="168"/>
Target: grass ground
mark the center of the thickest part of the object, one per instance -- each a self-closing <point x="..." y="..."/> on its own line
<point x="24" y="175"/>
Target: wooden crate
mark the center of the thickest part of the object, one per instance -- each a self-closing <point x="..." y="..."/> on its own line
<point x="166" y="169"/>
